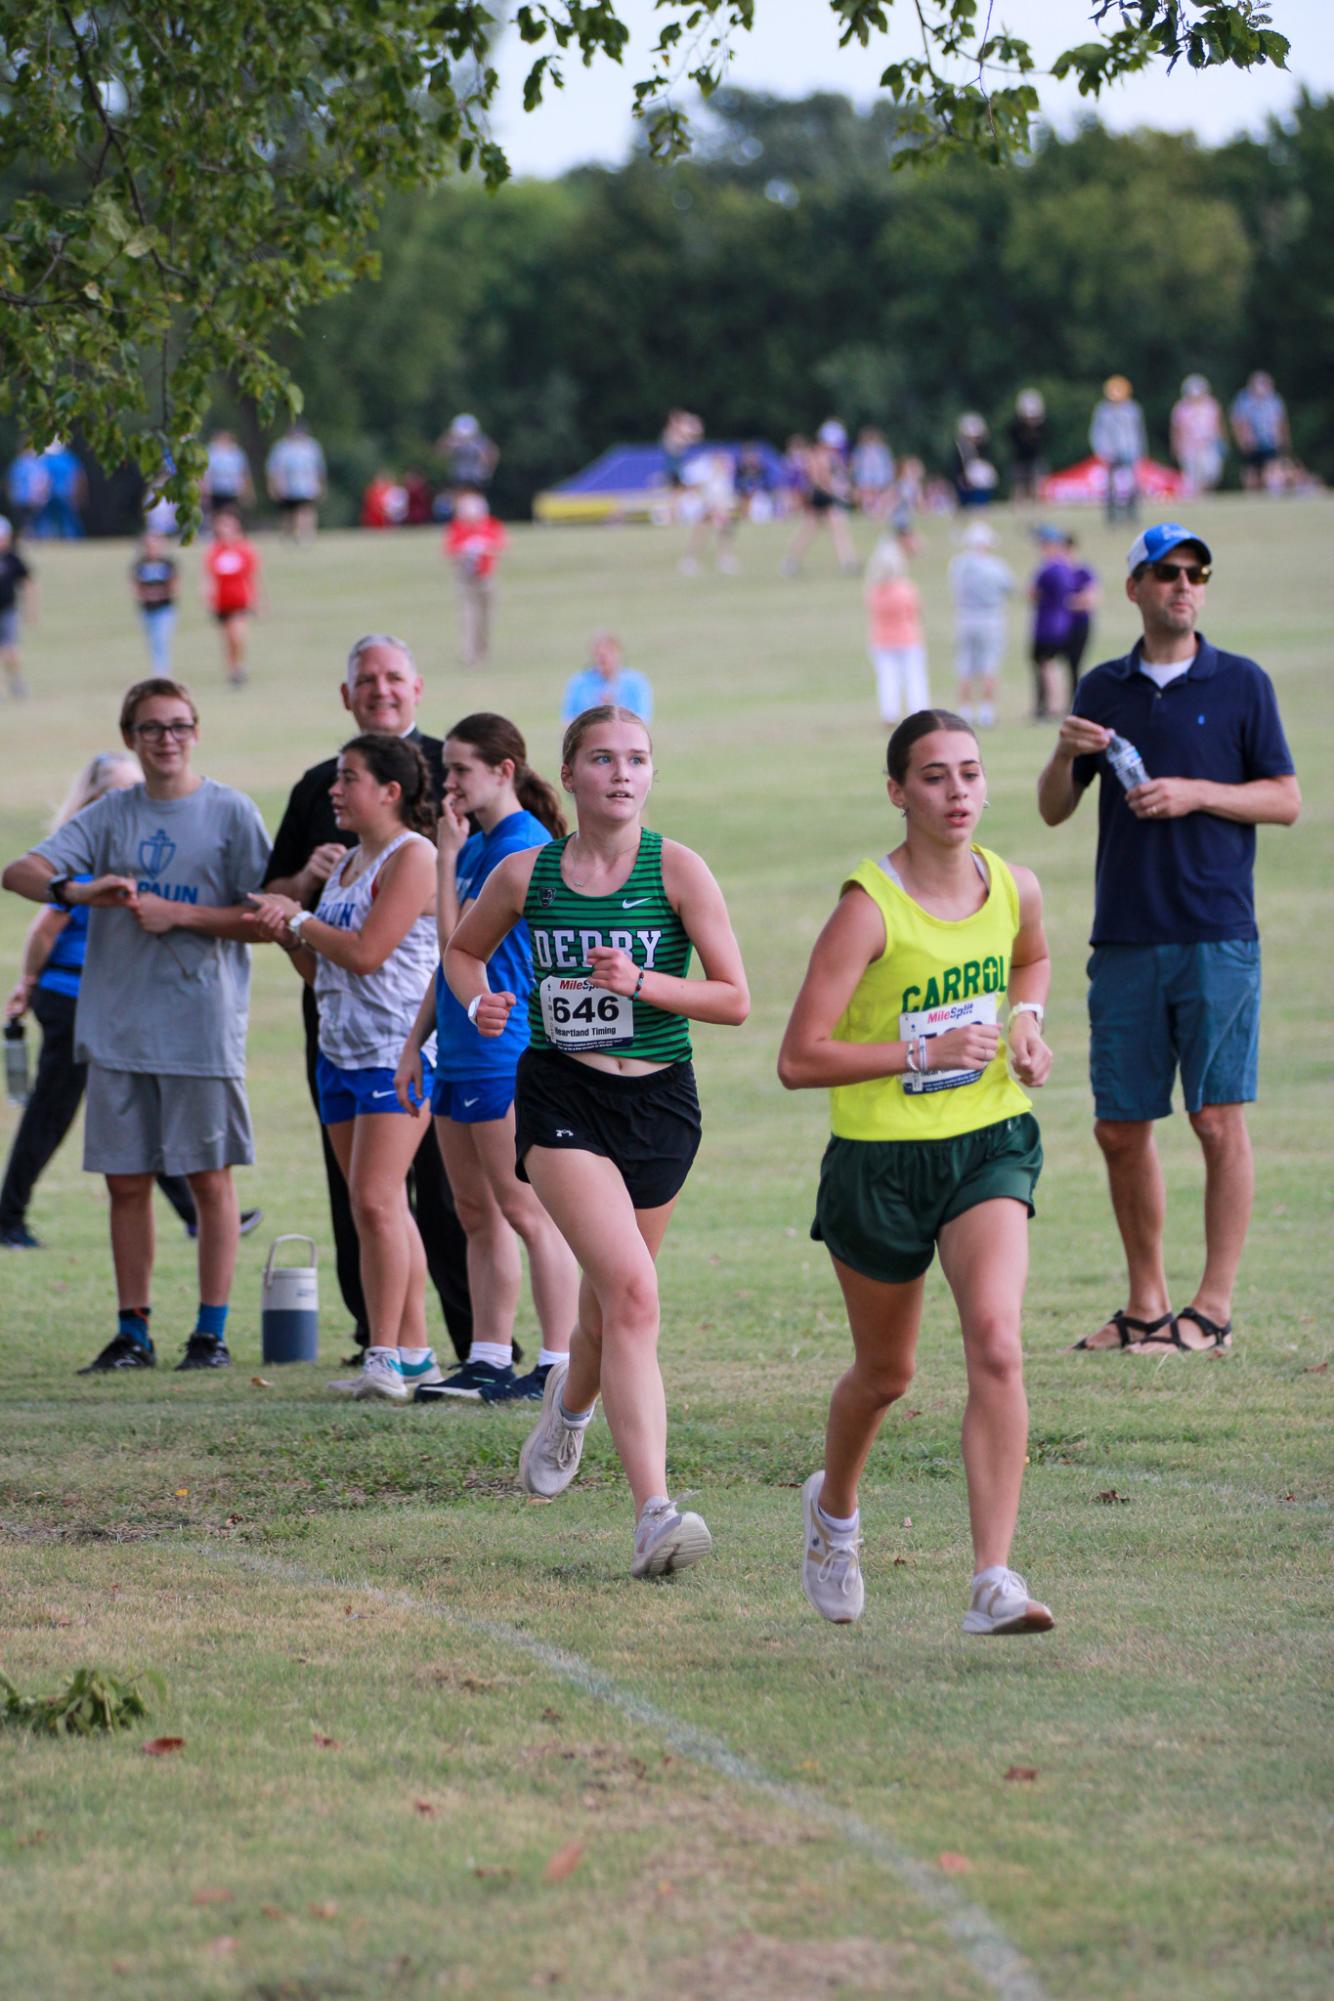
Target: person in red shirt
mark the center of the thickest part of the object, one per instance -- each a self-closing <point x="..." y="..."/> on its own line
<point x="473" y="542"/>
<point x="231" y="589"/>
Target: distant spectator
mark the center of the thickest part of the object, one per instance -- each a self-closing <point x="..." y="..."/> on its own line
<point x="906" y="501"/>
<point x="420" y="498"/>
<point x="1085" y="595"/>
<point x="227" y="481"/>
<point x="61" y="516"/>
<point x="872" y="471"/>
<point x="795" y="484"/>
<point x="1028" y="444"/>
<point x="474" y="540"/>
<point x="295" y="475"/>
<point x="1260" y="427"/>
<point x="710" y="490"/>
<point x="231" y="589"/>
<point x="1199" y="439"/>
<point x="975" y="477"/>
<point x="606" y="679"/>
<point x="980" y="583"/>
<point x="1051" y="592"/>
<point x="1118" y="438"/>
<point x="754" y="486"/>
<point x="17" y="597"/>
<point x="153" y="580"/>
<point x="894" y="635"/>
<point x="470" y="456"/>
<point x="681" y="433"/>
<point x="29" y="488"/>
<point x="385" y="502"/>
<point x="159" y="507"/>
<point x="827" y="498"/>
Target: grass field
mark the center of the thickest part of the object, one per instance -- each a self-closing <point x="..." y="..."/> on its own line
<point x="404" y="1689"/>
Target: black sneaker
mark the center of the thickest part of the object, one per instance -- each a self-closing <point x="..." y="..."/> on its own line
<point x="18" y="1237"/>
<point x="250" y="1220"/>
<point x="205" y="1351"/>
<point x="524" y="1389"/>
<point x="475" y="1382"/>
<point x="122" y="1353"/>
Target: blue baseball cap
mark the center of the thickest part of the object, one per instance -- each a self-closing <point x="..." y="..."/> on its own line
<point x="1156" y="542"/>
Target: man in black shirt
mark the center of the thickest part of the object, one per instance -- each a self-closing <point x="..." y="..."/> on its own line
<point x="381" y="691"/>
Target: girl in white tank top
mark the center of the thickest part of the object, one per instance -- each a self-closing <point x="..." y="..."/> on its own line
<point x="369" y="950"/>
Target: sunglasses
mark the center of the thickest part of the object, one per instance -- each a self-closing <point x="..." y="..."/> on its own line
<point x="1194" y="573"/>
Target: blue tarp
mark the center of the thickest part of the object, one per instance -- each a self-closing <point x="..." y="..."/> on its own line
<point x="637" y="468"/>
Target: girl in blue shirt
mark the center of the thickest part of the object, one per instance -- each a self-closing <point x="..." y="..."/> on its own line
<point x="488" y="780"/>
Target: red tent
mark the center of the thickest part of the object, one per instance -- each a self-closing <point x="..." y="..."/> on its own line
<point x="1085" y="484"/>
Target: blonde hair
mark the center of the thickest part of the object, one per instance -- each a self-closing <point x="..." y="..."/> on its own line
<point x="887" y="560"/>
<point x="92" y="781"/>
<point x="605" y="712"/>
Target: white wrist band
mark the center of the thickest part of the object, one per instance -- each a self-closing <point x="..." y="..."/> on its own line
<point x="295" y="922"/>
<point x="1030" y="1007"/>
<point x="473" y="1006"/>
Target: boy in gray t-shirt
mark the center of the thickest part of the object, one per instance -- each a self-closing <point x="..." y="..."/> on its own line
<point x="164" y="868"/>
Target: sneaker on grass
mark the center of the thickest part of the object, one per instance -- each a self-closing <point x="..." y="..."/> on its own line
<point x="667" y="1540"/>
<point x="527" y="1389"/>
<point x="552" y="1450"/>
<point x="1000" y="1604"/>
<point x="831" y="1570"/>
<point x="381" y="1376"/>
<point x="421" y="1375"/>
<point x="18" y="1237"/>
<point x="122" y="1352"/>
<point x="205" y="1351"/>
<point x="475" y="1382"/>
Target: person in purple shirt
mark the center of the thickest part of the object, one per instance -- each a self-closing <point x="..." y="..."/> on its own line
<point x="1055" y="583"/>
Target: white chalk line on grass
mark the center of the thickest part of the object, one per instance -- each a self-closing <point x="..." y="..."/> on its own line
<point x="979" y="1938"/>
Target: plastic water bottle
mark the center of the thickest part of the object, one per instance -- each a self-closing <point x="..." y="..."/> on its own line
<point x="16" y="1063"/>
<point x="1126" y="762"/>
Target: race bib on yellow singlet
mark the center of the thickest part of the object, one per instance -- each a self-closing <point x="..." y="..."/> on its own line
<point x="933" y="1021"/>
<point x="577" y="1016"/>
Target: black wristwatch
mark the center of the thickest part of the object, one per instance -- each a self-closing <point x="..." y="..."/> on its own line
<point x="55" y="891"/>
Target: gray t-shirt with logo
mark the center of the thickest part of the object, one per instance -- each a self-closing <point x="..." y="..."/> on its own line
<point x="175" y="1005"/>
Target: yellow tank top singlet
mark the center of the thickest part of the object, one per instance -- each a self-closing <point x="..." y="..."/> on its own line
<point x="935" y="974"/>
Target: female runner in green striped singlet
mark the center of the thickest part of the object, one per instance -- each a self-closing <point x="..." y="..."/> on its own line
<point x="606" y="1117"/>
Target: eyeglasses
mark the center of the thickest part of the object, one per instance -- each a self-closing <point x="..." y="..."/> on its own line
<point x="156" y="732"/>
<point x="1194" y="573"/>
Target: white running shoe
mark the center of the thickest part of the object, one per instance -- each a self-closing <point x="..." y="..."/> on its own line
<point x="667" y="1540"/>
<point x="381" y="1376"/>
<point x="552" y="1450"/>
<point x="1001" y="1604"/>
<point x="831" y="1571"/>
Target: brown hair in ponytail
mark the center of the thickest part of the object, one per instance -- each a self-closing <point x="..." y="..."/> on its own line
<point x="392" y="760"/>
<point x="495" y="739"/>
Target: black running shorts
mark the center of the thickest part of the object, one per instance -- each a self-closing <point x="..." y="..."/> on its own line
<point x="648" y="1126"/>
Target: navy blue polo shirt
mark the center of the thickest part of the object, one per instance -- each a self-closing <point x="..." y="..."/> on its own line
<point x="1187" y="880"/>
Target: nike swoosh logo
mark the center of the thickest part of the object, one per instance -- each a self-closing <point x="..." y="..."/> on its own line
<point x="471" y="1101"/>
<point x="632" y="902"/>
<point x="384" y="1094"/>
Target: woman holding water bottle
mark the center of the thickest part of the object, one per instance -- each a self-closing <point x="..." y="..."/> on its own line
<point x="934" y="1147"/>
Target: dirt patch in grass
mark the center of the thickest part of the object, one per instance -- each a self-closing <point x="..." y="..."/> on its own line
<point x="782" y="1970"/>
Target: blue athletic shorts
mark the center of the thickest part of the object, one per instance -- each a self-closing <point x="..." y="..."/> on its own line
<point x="1157" y="1009"/>
<point x="351" y="1094"/>
<point x="474" y="1102"/>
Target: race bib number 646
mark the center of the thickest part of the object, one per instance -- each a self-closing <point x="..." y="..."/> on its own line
<point x="577" y="1016"/>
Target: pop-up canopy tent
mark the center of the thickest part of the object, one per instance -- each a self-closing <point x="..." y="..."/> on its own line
<point x="1085" y="484"/>
<point x="629" y="481"/>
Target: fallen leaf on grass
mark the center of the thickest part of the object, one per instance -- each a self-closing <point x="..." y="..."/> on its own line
<point x="907" y="1521"/>
<point x="1316" y="1369"/>
<point x="426" y="1807"/>
<point x="162" y="1747"/>
<point x="325" y="1743"/>
<point x="564" y="1862"/>
<point x="1110" y="1498"/>
<point x="260" y="1383"/>
<point x="1289" y="1497"/>
<point x="1022" y="1772"/>
<point x="953" y="1864"/>
<point x="217" y="1896"/>
<point x="490" y="1869"/>
<point x="181" y="1493"/>
<point x="33" y="1840"/>
<point x="272" y="1911"/>
<point x="912" y="1413"/>
<point x="221" y="1948"/>
<point x="328" y="1909"/>
<point x="551" y="1716"/>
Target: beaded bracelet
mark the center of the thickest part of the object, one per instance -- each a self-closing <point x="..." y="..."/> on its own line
<point x="639" y="983"/>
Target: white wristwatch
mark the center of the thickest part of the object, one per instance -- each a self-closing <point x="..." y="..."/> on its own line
<point x="473" y="1006"/>
<point x="1030" y="1007"/>
<point x="295" y="922"/>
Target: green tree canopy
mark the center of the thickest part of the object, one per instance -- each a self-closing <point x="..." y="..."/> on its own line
<point x="183" y="181"/>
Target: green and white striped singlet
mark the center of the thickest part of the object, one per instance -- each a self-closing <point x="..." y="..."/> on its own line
<point x="564" y="1011"/>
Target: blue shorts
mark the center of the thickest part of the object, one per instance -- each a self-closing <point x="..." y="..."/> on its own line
<point x="473" y="1101"/>
<point x="1154" y="1009"/>
<point x="351" y="1094"/>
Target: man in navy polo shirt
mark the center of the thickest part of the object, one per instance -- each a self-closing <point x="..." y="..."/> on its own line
<point x="1175" y="972"/>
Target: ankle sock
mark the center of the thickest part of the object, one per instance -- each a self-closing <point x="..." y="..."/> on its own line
<point x="656" y="1504"/>
<point x="133" y="1320"/>
<point x="414" y="1357"/>
<point x="575" y="1419"/>
<point x="212" y="1320"/>
<point x="377" y="1351"/>
<point x="546" y="1356"/>
<point x="499" y="1354"/>
<point x="837" y="1523"/>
